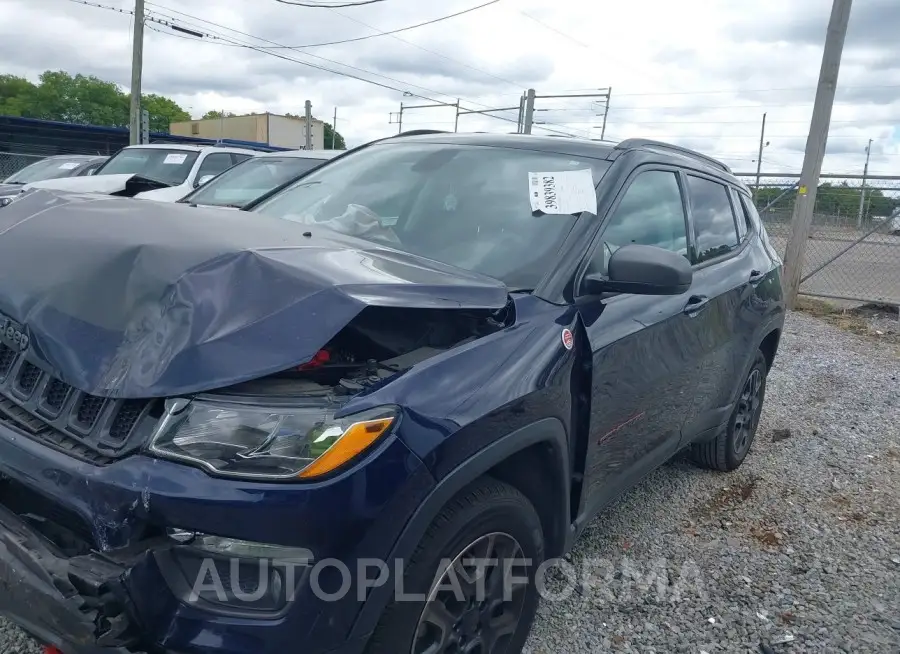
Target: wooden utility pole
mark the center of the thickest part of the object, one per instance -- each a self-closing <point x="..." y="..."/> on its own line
<point x="762" y="144"/>
<point x="137" y="64"/>
<point x="862" y="188"/>
<point x="334" y="128"/>
<point x="815" y="150"/>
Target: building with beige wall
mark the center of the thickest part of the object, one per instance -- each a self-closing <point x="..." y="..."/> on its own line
<point x="272" y="129"/>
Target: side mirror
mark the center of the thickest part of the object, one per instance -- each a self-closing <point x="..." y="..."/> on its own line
<point x="203" y="180"/>
<point x="642" y="270"/>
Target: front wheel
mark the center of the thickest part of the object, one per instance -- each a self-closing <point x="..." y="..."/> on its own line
<point x="728" y="450"/>
<point x="471" y="579"/>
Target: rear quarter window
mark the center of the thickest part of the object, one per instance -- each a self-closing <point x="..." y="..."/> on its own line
<point x="753" y="215"/>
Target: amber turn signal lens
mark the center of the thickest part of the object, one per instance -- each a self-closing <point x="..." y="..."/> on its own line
<point x="358" y="437"/>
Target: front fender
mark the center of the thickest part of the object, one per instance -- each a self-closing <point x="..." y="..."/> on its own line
<point x="549" y="431"/>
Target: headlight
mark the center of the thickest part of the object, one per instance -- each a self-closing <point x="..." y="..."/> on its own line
<point x="300" y="441"/>
<point x="6" y="200"/>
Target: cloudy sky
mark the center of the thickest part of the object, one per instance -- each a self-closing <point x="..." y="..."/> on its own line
<point x="695" y="72"/>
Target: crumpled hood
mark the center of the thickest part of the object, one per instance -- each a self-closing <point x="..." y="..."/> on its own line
<point x="143" y="299"/>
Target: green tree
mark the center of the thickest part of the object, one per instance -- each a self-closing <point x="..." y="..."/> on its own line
<point x="210" y="115"/>
<point x="338" y="143"/>
<point x="163" y="111"/>
<point x="16" y="95"/>
<point x="81" y="99"/>
<point x="833" y="199"/>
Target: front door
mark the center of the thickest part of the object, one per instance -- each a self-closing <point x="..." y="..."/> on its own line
<point x="644" y="347"/>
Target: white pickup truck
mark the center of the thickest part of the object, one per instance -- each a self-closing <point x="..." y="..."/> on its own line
<point x="162" y="172"/>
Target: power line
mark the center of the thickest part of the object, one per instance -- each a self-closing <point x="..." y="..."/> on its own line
<point x="553" y="29"/>
<point x="745" y="91"/>
<point x="438" y="54"/>
<point x="750" y="136"/>
<point x="387" y="33"/>
<point x="750" y="121"/>
<point x="297" y="3"/>
<point x="264" y="50"/>
<point x="173" y="24"/>
<point x="257" y="48"/>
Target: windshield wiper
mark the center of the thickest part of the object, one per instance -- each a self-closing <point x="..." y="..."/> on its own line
<point x="521" y="290"/>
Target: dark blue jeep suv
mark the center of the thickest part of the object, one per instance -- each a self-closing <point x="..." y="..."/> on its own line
<point x="358" y="416"/>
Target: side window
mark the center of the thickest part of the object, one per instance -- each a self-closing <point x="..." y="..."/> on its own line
<point x="214" y="164"/>
<point x="650" y="213"/>
<point x="237" y="157"/>
<point x="714" y="228"/>
<point x="744" y="224"/>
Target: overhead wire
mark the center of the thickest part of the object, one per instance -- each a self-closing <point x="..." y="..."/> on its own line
<point x="388" y="32"/>
<point x="321" y="5"/>
<point x="437" y="54"/>
<point x="220" y="39"/>
<point x="276" y="54"/>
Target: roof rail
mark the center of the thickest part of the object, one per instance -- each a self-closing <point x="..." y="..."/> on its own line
<point x="629" y="144"/>
<point x="420" y="132"/>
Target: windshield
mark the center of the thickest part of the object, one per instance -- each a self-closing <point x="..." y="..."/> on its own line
<point x="251" y="179"/>
<point x="45" y="169"/>
<point x="168" y="166"/>
<point x="467" y="206"/>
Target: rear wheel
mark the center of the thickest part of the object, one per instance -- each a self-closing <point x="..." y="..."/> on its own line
<point x="473" y="574"/>
<point x="728" y="450"/>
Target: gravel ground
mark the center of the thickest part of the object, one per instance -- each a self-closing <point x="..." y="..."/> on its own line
<point x="798" y="551"/>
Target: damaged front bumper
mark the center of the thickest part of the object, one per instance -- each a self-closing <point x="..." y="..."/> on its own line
<point x="87" y="563"/>
<point x="77" y="604"/>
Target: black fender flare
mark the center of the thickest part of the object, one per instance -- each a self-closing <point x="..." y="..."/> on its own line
<point x="773" y="324"/>
<point x="548" y="431"/>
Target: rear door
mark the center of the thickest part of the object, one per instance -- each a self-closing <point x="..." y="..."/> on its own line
<point x="643" y="352"/>
<point x="723" y="278"/>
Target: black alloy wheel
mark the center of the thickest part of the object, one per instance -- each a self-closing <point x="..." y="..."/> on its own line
<point x="475" y="605"/>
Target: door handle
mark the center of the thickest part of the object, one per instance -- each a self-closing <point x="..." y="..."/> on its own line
<point x="756" y="277"/>
<point x="695" y="304"/>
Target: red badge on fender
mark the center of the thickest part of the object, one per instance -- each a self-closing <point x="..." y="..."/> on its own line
<point x="567" y="339"/>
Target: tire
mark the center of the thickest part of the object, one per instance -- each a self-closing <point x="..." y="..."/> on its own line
<point x="727" y="451"/>
<point x="476" y="515"/>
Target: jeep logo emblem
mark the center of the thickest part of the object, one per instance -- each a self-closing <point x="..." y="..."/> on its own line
<point x="13" y="334"/>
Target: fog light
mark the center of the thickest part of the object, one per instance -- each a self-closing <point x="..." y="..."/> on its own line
<point x="230" y="575"/>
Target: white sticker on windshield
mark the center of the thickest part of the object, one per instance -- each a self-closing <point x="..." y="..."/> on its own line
<point x="562" y="192"/>
<point x="68" y="165"/>
<point x="175" y="159"/>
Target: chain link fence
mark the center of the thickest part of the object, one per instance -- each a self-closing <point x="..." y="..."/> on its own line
<point x="11" y="162"/>
<point x="853" y="251"/>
